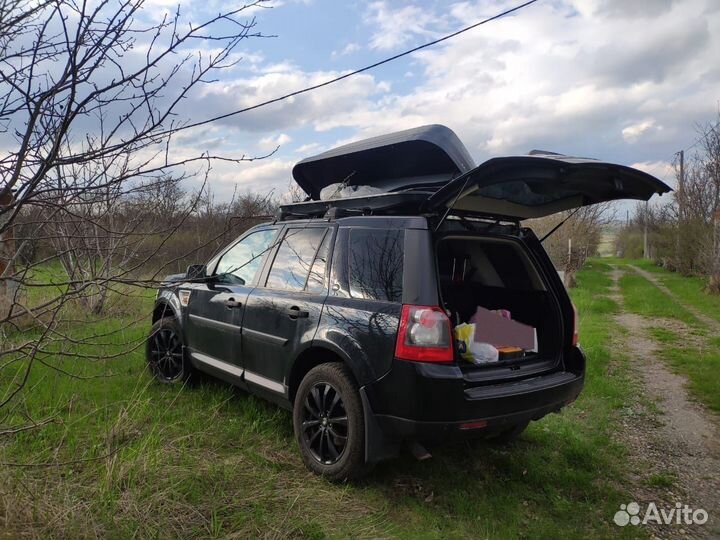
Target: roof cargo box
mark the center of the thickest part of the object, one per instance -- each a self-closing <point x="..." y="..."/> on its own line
<point x="426" y="155"/>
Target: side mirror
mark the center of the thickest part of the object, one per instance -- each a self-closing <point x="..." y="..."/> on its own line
<point x="196" y="271"/>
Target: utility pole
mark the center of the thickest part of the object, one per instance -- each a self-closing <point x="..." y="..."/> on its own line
<point x="681" y="208"/>
<point x="681" y="180"/>
<point x="646" y="254"/>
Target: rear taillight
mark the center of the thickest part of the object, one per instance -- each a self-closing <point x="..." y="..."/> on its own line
<point x="576" y="330"/>
<point x="425" y="335"/>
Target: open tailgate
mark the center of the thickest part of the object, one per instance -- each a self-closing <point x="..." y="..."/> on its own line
<point x="540" y="184"/>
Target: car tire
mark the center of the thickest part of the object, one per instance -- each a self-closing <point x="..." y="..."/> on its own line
<point x="165" y="352"/>
<point x="510" y="434"/>
<point x="330" y="446"/>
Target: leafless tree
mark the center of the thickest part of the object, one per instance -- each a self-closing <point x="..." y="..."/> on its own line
<point x="91" y="97"/>
<point x="293" y="194"/>
<point x="684" y="235"/>
<point x="710" y="166"/>
<point x="577" y="239"/>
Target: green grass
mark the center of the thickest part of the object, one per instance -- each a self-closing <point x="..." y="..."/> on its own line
<point x="663" y="480"/>
<point x="691" y="289"/>
<point x="664" y="336"/>
<point x="702" y="367"/>
<point x="130" y="458"/>
<point x="646" y="299"/>
<point x="699" y="363"/>
<point x="694" y="354"/>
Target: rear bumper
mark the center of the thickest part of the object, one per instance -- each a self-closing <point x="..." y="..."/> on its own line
<point x="426" y="402"/>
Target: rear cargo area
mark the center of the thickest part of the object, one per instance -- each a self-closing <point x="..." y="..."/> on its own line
<point x="498" y="274"/>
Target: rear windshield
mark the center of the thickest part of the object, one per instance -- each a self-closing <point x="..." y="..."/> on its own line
<point x="375" y="264"/>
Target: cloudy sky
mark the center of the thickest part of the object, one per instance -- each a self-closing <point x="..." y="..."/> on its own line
<point x="619" y="80"/>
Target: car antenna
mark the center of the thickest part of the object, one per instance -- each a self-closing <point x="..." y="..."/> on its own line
<point x="445" y="215"/>
<point x="556" y="227"/>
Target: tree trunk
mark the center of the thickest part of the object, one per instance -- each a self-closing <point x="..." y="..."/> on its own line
<point x="7" y="256"/>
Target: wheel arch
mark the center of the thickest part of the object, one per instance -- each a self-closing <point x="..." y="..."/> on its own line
<point x="165" y="307"/>
<point x="311" y="357"/>
<point x="377" y="448"/>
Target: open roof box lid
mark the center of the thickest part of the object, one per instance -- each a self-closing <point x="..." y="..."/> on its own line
<point x="432" y="160"/>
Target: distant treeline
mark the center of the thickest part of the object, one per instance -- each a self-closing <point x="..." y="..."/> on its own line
<point x="684" y="234"/>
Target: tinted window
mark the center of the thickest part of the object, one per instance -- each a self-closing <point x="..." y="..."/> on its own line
<point x="316" y="279"/>
<point x="292" y="263"/>
<point x="487" y="263"/>
<point x="242" y="261"/>
<point x="375" y="260"/>
<point x="508" y="264"/>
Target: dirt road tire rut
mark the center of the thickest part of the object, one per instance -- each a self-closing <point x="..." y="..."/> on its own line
<point x="680" y="440"/>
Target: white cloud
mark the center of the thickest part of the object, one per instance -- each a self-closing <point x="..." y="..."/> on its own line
<point x="393" y="27"/>
<point x="635" y="131"/>
<point x="268" y="172"/>
<point x="357" y="93"/>
<point x="271" y="142"/>
<point x="350" y="48"/>
<point x="308" y="149"/>
<point x="662" y="169"/>
<point x="270" y="175"/>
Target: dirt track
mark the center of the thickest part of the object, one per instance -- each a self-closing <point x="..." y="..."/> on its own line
<point x="668" y="433"/>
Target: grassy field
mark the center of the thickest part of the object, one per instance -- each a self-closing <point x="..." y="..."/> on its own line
<point x="693" y="349"/>
<point x="124" y="457"/>
<point x="691" y="289"/>
<point x="644" y="298"/>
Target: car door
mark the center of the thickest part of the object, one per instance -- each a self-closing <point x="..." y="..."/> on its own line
<point x="282" y="313"/>
<point x="215" y="308"/>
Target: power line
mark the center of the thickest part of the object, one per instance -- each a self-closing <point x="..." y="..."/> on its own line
<point x="701" y="137"/>
<point x="352" y="73"/>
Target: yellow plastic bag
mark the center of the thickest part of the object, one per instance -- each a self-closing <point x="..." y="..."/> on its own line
<point x="464" y="334"/>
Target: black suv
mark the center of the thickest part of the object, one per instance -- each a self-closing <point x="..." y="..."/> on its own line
<point x="342" y="310"/>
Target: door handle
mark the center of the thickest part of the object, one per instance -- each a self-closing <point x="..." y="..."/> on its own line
<point x="232" y="303"/>
<point x="297" y="313"/>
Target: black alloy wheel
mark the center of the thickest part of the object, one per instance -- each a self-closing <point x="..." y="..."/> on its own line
<point x="329" y="423"/>
<point x="165" y="352"/>
<point x="325" y="423"/>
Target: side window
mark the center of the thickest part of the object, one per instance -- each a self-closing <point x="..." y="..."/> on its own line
<point x="241" y="262"/>
<point x="375" y="264"/>
<point x="316" y="279"/>
<point x="292" y="263"/>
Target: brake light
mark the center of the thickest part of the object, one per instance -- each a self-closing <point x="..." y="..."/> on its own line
<point x="425" y="335"/>
<point x="576" y="329"/>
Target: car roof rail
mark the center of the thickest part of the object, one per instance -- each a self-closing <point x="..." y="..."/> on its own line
<point x="393" y="203"/>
